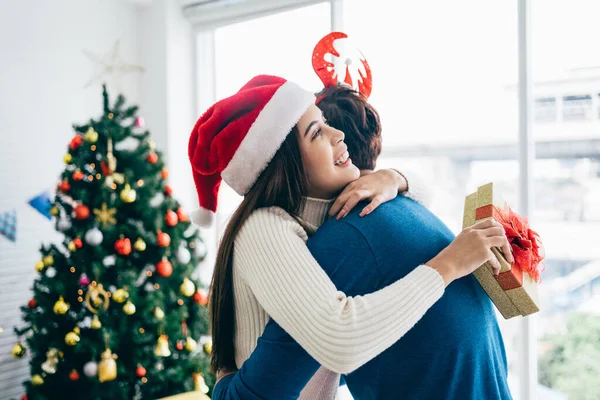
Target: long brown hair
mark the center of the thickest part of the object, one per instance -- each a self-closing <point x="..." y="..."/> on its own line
<point x="283" y="183"/>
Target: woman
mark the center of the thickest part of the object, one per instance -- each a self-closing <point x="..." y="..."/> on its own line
<point x="270" y="144"/>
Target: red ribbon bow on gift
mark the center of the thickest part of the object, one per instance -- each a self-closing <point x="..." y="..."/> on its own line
<point x="527" y="248"/>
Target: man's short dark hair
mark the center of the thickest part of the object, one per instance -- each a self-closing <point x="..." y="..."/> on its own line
<point x="349" y="111"/>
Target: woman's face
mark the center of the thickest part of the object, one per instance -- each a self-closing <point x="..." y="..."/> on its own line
<point x="324" y="155"/>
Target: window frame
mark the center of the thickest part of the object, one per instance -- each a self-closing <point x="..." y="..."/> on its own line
<point x="234" y="12"/>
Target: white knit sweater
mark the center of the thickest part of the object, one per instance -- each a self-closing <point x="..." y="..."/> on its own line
<point x="275" y="275"/>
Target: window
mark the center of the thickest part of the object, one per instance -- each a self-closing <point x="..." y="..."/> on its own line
<point x="577" y="108"/>
<point x="279" y="44"/>
<point x="471" y="136"/>
<point x="471" y="139"/>
<point x="545" y="109"/>
<point x="567" y="191"/>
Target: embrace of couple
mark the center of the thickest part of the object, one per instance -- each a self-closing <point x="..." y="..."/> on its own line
<point x="330" y="268"/>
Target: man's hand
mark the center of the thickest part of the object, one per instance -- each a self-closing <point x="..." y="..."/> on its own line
<point x="379" y="187"/>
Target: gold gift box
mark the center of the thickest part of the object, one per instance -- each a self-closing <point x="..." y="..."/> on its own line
<point x="522" y="300"/>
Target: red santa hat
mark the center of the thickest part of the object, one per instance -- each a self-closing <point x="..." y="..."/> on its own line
<point x="238" y="136"/>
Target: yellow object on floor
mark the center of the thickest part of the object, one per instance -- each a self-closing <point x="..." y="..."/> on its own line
<point x="188" y="396"/>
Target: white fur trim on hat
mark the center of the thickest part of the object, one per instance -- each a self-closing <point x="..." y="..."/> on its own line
<point x="202" y="217"/>
<point x="265" y="136"/>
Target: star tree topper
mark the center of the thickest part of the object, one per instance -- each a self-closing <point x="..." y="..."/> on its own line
<point x="110" y="67"/>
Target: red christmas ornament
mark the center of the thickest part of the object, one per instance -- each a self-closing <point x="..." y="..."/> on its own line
<point x="168" y="190"/>
<point x="78" y="243"/>
<point x="164" y="268"/>
<point x="179" y="345"/>
<point x="104" y="168"/>
<point x="152" y="158"/>
<point x="32" y="304"/>
<point x="76" y="142"/>
<point x="78" y="175"/>
<point x="64" y="186"/>
<point x="171" y="218"/>
<point x="164" y="173"/>
<point x="140" y="371"/>
<point x="82" y="212"/>
<point x="74" y="375"/>
<point x="201" y="297"/>
<point x="181" y="215"/>
<point x="123" y="246"/>
<point x="24" y="397"/>
<point x="163" y="239"/>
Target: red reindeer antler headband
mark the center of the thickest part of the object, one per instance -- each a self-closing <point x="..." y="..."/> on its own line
<point x="344" y="68"/>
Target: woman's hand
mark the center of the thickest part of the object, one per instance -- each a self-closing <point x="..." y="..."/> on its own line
<point x="379" y="187"/>
<point x="470" y="249"/>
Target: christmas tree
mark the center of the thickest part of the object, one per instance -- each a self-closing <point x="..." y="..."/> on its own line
<point x="116" y="312"/>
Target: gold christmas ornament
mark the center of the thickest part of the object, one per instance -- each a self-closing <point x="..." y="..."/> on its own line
<point x="139" y="245"/>
<point x="208" y="347"/>
<point x="71" y="339"/>
<point x="95" y="297"/>
<point x="37" y="380"/>
<point x="187" y="288"/>
<point x="91" y="136"/>
<point x="96" y="324"/>
<point x="190" y="344"/>
<point x="129" y="308"/>
<point x="48" y="261"/>
<point x="199" y="384"/>
<point x="128" y="195"/>
<point x="120" y="295"/>
<point x="118" y="178"/>
<point x="67" y="158"/>
<point x="107" y="369"/>
<point x="71" y="246"/>
<point x="49" y="366"/>
<point x="61" y="307"/>
<point x="159" y="313"/>
<point x="105" y="215"/>
<point x="39" y="266"/>
<point x="18" y="350"/>
<point x="111" y="160"/>
<point x="162" y="347"/>
<point x="54" y="211"/>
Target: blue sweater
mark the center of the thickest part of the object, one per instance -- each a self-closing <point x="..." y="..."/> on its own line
<point x="454" y="352"/>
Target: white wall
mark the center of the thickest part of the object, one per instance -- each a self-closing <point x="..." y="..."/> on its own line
<point x="168" y="95"/>
<point x="166" y="41"/>
<point x="42" y="77"/>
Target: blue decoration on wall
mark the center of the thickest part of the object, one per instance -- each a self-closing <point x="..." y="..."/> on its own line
<point x="42" y="203"/>
<point x="8" y="225"/>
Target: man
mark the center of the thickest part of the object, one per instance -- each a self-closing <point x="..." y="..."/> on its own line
<point x="454" y="352"/>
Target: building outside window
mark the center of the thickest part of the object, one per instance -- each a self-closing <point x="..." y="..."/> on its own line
<point x="577" y="107"/>
<point x="545" y="109"/>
